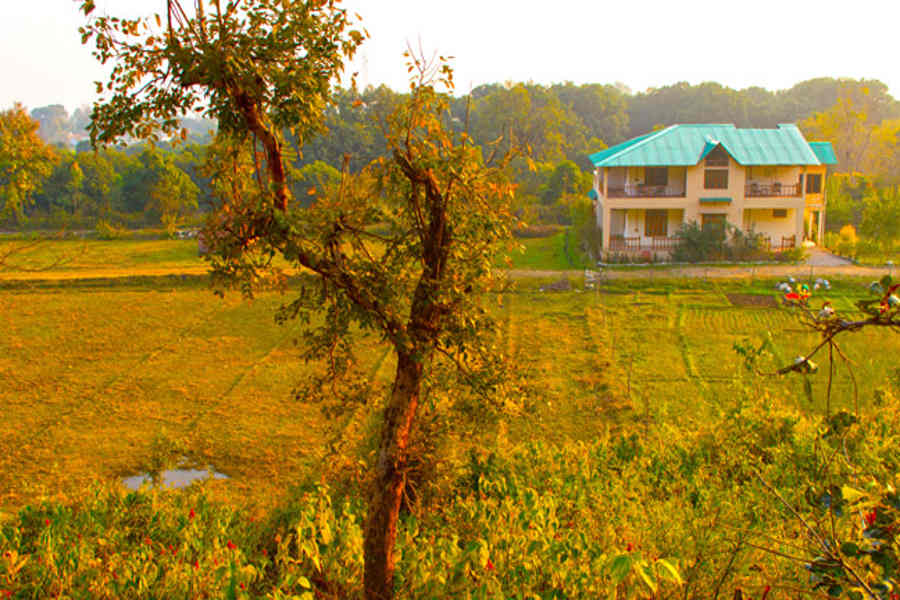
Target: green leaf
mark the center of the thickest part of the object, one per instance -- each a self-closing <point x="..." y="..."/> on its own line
<point x="643" y="570"/>
<point x="670" y="569"/>
<point x="850" y="494"/>
<point x="619" y="567"/>
<point x="849" y="549"/>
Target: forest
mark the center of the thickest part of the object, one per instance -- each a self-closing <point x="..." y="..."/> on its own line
<point x="163" y="184"/>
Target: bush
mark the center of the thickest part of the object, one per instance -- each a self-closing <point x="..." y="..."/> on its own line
<point x="717" y="243"/>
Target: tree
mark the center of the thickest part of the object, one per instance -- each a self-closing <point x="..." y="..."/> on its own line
<point x="54" y="122"/>
<point x="265" y="66"/>
<point x="171" y="193"/>
<point x="528" y="116"/>
<point x="25" y="161"/>
<point x="858" y="126"/>
<point x="881" y="216"/>
<point x="100" y="179"/>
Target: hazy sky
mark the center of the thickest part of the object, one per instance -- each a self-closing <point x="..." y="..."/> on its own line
<point x="643" y="43"/>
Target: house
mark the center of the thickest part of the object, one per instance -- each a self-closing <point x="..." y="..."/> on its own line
<point x="768" y="180"/>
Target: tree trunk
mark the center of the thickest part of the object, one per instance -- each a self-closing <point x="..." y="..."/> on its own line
<point x="390" y="479"/>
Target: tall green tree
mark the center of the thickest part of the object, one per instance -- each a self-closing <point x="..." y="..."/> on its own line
<point x="25" y="161"/>
<point x="863" y="138"/>
<point x="170" y="193"/>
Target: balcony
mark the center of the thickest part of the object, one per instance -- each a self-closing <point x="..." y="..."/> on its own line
<point x="761" y="190"/>
<point x="640" y="190"/>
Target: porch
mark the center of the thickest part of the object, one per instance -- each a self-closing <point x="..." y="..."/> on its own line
<point x="639" y="230"/>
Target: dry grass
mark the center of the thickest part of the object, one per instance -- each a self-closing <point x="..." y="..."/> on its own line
<point x="97" y="383"/>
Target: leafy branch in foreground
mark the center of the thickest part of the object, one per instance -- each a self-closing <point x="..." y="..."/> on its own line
<point x="851" y="532"/>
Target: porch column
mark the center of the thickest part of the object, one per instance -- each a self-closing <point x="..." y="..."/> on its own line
<point x="798" y="224"/>
<point x="604" y="238"/>
<point x="822" y="227"/>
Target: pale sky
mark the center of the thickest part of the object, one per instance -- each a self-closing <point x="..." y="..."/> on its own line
<point x="642" y="43"/>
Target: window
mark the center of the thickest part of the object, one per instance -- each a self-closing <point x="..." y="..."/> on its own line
<point x="715" y="179"/>
<point x="779" y="213"/>
<point x="656" y="223"/>
<point x="717" y="157"/>
<point x="657" y="176"/>
<point x="709" y="220"/>
<point x="814" y="183"/>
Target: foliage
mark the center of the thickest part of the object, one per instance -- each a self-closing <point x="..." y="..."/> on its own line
<point x="24" y="161"/>
<point x="881" y="216"/>
<point x="859" y="128"/>
<point x="716" y="243"/>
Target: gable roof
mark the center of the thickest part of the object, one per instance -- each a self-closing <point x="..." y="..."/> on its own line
<point x="686" y="145"/>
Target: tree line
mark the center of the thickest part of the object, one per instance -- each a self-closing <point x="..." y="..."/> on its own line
<point x="560" y="126"/>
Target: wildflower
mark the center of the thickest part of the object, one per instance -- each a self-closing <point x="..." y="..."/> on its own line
<point x="7" y="593"/>
<point x="870" y="517"/>
<point x="243" y="587"/>
<point x="489" y="566"/>
<point x="192" y="514"/>
<point x="47" y="522"/>
<point x="231" y="545"/>
<point x="766" y="591"/>
<point x="629" y="547"/>
<point x="196" y="564"/>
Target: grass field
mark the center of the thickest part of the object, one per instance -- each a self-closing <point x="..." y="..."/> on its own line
<point x="95" y="259"/>
<point x="628" y="411"/>
<point x="102" y="382"/>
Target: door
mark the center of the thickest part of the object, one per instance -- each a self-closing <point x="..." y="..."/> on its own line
<point x="656" y="223"/>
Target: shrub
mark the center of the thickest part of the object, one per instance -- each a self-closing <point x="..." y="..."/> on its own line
<point x="714" y="243"/>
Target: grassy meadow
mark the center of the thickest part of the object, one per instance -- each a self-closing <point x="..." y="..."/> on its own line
<point x="627" y="405"/>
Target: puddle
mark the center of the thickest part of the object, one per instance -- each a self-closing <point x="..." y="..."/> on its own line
<point x="174" y="478"/>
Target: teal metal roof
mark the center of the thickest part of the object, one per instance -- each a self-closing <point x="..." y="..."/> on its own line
<point x="719" y="200"/>
<point x="824" y="152"/>
<point x="686" y="145"/>
<point x="604" y="154"/>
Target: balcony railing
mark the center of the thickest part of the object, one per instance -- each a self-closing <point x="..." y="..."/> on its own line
<point x="771" y="189"/>
<point x="646" y="191"/>
<point x="621" y="243"/>
<point x="786" y="243"/>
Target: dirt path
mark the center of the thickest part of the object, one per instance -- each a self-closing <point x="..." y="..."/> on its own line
<point x="738" y="272"/>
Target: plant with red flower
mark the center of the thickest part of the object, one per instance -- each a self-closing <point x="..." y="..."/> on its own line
<point x="870" y="517"/>
<point x="192" y="514"/>
<point x="231" y="545"/>
<point x="490" y="565"/>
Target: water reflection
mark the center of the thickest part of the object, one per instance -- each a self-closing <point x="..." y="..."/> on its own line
<point x="174" y="478"/>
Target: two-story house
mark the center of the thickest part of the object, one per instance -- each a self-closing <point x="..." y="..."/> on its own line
<point x="769" y="180"/>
